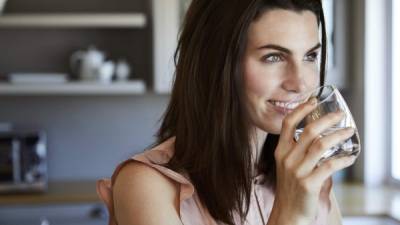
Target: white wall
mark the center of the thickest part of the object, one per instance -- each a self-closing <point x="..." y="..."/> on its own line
<point x="166" y="27"/>
<point x="376" y="87"/>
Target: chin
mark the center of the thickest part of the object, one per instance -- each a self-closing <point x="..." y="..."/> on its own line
<point x="276" y="131"/>
<point x="272" y="128"/>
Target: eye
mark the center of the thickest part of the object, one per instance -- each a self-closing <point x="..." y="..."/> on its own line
<point x="272" y="58"/>
<point x="312" y="57"/>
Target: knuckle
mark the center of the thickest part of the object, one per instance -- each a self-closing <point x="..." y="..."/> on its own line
<point x="310" y="131"/>
<point x="286" y="164"/>
<point x="302" y="106"/>
<point x="288" y="121"/>
<point x="313" y="150"/>
<point x="320" y="144"/>
<point x="330" y="165"/>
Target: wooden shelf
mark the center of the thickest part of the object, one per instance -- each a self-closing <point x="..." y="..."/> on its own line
<point x="81" y="20"/>
<point x="74" y="89"/>
<point x="57" y="193"/>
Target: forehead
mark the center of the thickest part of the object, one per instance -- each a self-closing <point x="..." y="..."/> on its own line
<point x="290" y="29"/>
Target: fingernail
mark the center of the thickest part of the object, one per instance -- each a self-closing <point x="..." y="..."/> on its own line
<point x="351" y="130"/>
<point x="313" y="101"/>
<point x="340" y="112"/>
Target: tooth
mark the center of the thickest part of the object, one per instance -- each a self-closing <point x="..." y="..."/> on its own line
<point x="293" y="105"/>
<point x="286" y="105"/>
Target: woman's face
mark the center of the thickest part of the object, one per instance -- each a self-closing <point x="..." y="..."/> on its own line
<point x="280" y="63"/>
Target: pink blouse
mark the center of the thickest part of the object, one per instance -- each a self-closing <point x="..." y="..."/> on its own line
<point x="191" y="210"/>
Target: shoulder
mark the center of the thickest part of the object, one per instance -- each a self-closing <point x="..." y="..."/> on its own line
<point x="141" y="190"/>
<point x="139" y="178"/>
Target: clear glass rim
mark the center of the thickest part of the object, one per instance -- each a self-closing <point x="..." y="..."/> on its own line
<point x="308" y="94"/>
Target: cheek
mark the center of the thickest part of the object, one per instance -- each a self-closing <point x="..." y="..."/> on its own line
<point x="257" y="79"/>
<point x="314" y="78"/>
<point x="313" y="81"/>
<point x="254" y="84"/>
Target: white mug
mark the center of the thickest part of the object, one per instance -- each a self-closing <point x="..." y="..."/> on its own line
<point x="106" y="72"/>
<point x="122" y="70"/>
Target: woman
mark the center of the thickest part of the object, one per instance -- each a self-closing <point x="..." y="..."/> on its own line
<point x="225" y="152"/>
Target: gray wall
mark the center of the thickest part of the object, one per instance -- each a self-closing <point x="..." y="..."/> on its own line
<point x="356" y="73"/>
<point x="87" y="136"/>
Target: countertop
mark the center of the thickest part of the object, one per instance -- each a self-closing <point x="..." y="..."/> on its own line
<point x="358" y="200"/>
<point x="62" y="192"/>
<point x="353" y="199"/>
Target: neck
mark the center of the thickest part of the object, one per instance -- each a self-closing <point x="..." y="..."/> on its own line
<point x="258" y="139"/>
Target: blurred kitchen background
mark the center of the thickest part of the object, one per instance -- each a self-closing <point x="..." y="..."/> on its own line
<point x="83" y="84"/>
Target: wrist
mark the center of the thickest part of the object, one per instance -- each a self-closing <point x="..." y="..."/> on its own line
<point x="292" y="220"/>
<point x="281" y="216"/>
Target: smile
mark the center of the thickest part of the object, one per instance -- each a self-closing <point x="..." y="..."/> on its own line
<point x="285" y="105"/>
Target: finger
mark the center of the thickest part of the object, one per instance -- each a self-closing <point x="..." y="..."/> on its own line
<point x="320" y="146"/>
<point x="291" y="121"/>
<point x="325" y="170"/>
<point x="311" y="132"/>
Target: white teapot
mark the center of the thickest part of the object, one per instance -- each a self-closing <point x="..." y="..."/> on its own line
<point x="89" y="61"/>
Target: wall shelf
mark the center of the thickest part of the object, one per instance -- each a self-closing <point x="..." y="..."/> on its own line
<point x="74" y="20"/>
<point x="74" y="89"/>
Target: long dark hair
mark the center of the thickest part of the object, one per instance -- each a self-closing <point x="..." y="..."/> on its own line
<point x="207" y="113"/>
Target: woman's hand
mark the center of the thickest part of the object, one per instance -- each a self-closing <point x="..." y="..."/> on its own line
<point x="299" y="179"/>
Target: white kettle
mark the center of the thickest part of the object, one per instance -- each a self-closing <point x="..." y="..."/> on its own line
<point x="87" y="63"/>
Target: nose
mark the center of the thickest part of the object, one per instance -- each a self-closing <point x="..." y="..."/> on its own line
<point x="294" y="80"/>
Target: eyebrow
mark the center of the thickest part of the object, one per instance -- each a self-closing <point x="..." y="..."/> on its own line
<point x="287" y="51"/>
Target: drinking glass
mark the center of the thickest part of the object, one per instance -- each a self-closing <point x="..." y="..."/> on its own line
<point x="329" y="100"/>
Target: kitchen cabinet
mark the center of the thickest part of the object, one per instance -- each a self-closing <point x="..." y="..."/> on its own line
<point x="41" y="37"/>
<point x="76" y="214"/>
<point x="64" y="203"/>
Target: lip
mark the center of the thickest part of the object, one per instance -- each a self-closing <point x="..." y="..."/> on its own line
<point x="280" y="110"/>
<point x="286" y="102"/>
<point x="277" y="100"/>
